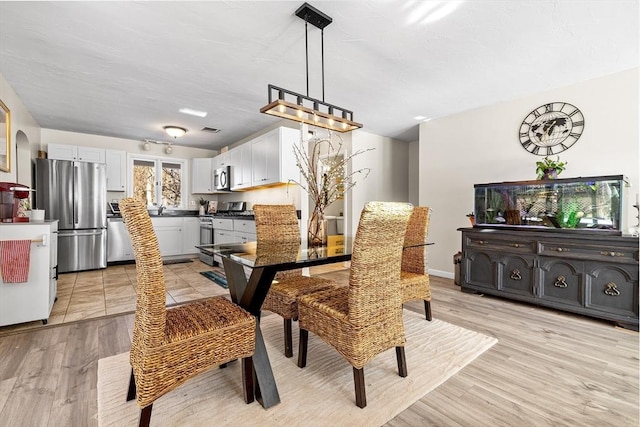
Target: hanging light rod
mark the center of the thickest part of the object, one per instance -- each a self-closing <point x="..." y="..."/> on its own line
<point x="303" y="108"/>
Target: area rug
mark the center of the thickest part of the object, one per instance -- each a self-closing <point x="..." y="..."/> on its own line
<point x="322" y="394"/>
<point x="176" y="261"/>
<point x="218" y="276"/>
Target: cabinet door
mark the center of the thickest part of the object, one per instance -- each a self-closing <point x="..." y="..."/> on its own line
<point x="91" y="154"/>
<point x="612" y="288"/>
<point x="240" y="160"/>
<point x="259" y="152"/>
<point x="244" y="225"/>
<point x="515" y="275"/>
<point x="561" y="281"/>
<point x="480" y="270"/>
<point x="62" y="152"/>
<point x="169" y="234"/>
<point x="116" y="170"/>
<point x="202" y="175"/>
<point x="191" y="235"/>
<point x="243" y="237"/>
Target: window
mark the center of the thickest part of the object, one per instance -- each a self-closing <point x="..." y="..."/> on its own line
<point x="157" y="181"/>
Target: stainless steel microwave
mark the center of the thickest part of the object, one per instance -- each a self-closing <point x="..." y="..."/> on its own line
<point x="222" y="178"/>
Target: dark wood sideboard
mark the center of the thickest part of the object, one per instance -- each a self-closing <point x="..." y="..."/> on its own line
<point x="594" y="274"/>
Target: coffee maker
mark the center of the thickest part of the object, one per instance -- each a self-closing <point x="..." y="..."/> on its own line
<point x="14" y="200"/>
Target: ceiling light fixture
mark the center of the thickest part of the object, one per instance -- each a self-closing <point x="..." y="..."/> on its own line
<point x="175" y="131"/>
<point x="304" y="109"/>
<point x="193" y="112"/>
<point x="169" y="148"/>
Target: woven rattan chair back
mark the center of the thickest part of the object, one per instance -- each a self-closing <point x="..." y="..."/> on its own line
<point x="278" y="224"/>
<point x="414" y="259"/>
<point x="150" y="317"/>
<point x="375" y="262"/>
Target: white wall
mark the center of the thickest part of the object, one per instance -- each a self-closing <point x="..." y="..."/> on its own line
<point x="388" y="179"/>
<point x="21" y="121"/>
<point x="482" y="146"/>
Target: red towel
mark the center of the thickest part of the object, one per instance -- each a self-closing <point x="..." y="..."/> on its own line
<point x="14" y="260"/>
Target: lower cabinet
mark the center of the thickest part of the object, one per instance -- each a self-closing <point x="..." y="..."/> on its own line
<point x="169" y="234"/>
<point x="595" y="275"/>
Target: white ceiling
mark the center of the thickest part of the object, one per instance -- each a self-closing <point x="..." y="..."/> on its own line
<point x="124" y="69"/>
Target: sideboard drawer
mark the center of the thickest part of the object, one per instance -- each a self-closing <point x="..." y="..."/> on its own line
<point x="491" y="243"/>
<point x="588" y="251"/>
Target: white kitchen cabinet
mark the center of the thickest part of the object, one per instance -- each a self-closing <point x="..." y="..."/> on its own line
<point x="116" y="161"/>
<point x="224" y="236"/>
<point x="273" y="159"/>
<point x="241" y="167"/>
<point x="76" y="152"/>
<point x="202" y="175"/>
<point x="223" y="159"/>
<point x="32" y="300"/>
<point x="169" y="234"/>
<point x="191" y="236"/>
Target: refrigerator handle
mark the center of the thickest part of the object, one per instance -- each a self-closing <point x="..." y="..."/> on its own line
<point x="75" y="193"/>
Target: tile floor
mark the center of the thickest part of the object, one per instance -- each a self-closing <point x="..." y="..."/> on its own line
<point x="96" y="293"/>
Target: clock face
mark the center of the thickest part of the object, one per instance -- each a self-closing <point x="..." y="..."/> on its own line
<point x="551" y="128"/>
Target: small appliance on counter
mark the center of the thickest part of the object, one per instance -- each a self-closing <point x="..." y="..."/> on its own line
<point x="13" y="202"/>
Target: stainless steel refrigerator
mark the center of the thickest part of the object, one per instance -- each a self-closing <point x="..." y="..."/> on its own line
<point x="75" y="193"/>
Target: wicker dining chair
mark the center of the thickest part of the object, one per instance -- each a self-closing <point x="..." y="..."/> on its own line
<point x="414" y="279"/>
<point x="364" y="318"/>
<point x="279" y="224"/>
<point x="171" y="346"/>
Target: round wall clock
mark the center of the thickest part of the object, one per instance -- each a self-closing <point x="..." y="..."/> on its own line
<point x="551" y="128"/>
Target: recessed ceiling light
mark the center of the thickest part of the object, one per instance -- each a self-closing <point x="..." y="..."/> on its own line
<point x="193" y="112"/>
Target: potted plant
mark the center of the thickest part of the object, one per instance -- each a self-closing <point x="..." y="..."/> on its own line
<point x="549" y="169"/>
<point x="472" y="218"/>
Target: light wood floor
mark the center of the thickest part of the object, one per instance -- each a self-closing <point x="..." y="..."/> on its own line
<point x="548" y="368"/>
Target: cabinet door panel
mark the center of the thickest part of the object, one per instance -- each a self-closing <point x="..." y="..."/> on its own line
<point x="480" y="270"/>
<point x="561" y="281"/>
<point x="613" y="288"/>
<point x="516" y="275"/>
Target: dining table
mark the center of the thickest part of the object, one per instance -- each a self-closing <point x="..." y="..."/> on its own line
<point x="261" y="261"/>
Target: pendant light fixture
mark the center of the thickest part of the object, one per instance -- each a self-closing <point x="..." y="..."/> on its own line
<point x="300" y="108"/>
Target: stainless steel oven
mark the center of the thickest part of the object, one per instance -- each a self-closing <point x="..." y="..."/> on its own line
<point x="206" y="238"/>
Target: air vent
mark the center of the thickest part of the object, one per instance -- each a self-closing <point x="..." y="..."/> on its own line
<point x="208" y="129"/>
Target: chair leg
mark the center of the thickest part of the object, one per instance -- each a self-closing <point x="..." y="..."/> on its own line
<point x="145" y="416"/>
<point x="302" y="348"/>
<point x="288" y="339"/>
<point x="131" y="394"/>
<point x="247" y="379"/>
<point x="427" y="310"/>
<point x="361" y="394"/>
<point x="402" y="362"/>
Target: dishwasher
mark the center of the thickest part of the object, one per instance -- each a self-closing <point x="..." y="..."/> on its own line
<point x="118" y="241"/>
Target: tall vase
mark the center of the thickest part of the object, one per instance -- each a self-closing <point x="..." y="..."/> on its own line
<point x="317" y="229"/>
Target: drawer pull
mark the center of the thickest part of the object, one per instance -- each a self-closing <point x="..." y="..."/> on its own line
<point x="481" y="242"/>
<point x="515" y="275"/>
<point x="612" y="290"/>
<point x="562" y="249"/>
<point x="607" y="253"/>
<point x="560" y="282"/>
<point x="516" y="245"/>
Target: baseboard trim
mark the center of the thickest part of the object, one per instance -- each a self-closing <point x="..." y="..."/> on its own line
<point x="440" y="273"/>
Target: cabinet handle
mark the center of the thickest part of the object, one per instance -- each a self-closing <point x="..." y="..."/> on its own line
<point x="607" y="253"/>
<point x="612" y="290"/>
<point x="481" y="242"/>
<point x="515" y="275"/>
<point x="562" y="250"/>
<point x="560" y="282"/>
<point x="515" y="245"/>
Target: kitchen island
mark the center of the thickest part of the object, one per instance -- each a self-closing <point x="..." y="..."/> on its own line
<point x="33" y="299"/>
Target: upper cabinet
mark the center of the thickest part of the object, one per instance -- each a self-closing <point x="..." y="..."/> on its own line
<point x="202" y="175"/>
<point x="75" y="152"/>
<point x="116" y="161"/>
<point x="273" y="159"/>
<point x="240" y="158"/>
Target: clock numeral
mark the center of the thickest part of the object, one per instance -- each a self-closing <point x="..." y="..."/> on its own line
<point x="574" y="135"/>
<point x="536" y="114"/>
<point x="527" y="144"/>
<point x="577" y="124"/>
<point x="548" y="108"/>
<point x="549" y="151"/>
<point x="524" y="135"/>
<point x="564" y="147"/>
<point x="535" y="150"/>
<point x="571" y="114"/>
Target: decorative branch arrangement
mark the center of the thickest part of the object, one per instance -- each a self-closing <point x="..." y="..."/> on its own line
<point x="327" y="183"/>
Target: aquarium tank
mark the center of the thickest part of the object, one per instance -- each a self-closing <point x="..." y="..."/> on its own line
<point x="586" y="204"/>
